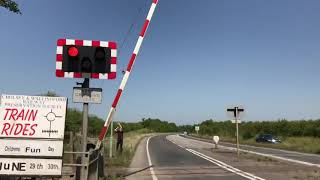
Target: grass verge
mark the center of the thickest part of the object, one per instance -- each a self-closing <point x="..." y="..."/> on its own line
<point x="116" y="166"/>
<point x="300" y="144"/>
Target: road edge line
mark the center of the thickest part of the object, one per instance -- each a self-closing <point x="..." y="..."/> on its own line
<point x="252" y="146"/>
<point x="226" y="166"/>
<point x="154" y="177"/>
<point x="220" y="163"/>
<point x="262" y="154"/>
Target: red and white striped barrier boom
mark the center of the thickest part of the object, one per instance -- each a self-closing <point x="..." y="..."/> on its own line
<point x="125" y="78"/>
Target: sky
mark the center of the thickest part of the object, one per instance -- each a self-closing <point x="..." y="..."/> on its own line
<point x="197" y="59"/>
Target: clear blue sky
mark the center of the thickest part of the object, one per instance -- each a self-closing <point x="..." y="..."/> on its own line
<point x="198" y="56"/>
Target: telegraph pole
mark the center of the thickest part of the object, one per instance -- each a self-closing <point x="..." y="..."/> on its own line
<point x="237" y="127"/>
<point x="84" y="169"/>
<point x="235" y="113"/>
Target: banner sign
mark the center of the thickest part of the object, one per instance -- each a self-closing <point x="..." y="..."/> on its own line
<point x="17" y="147"/>
<point x="32" y="116"/>
<point x="35" y="167"/>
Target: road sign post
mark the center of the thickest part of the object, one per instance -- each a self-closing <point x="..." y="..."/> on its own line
<point x="237" y="129"/>
<point x="235" y="113"/>
<point x="86" y="59"/>
<point x="197" y="128"/>
<point x="216" y="141"/>
<point x="84" y="169"/>
<point x="111" y="139"/>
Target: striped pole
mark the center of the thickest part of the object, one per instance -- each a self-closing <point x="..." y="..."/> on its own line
<point x="125" y="78"/>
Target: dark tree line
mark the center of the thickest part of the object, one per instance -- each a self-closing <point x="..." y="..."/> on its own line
<point x="74" y="124"/>
<point x="10" y="5"/>
<point x="208" y="127"/>
<point x="251" y="129"/>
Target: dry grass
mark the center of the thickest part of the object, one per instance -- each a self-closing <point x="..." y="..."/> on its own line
<point x="116" y="166"/>
<point x="301" y="144"/>
<point x="130" y="143"/>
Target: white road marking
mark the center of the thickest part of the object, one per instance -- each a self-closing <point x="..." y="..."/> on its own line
<point x="281" y="158"/>
<point x="226" y="166"/>
<point x="272" y="156"/>
<point x="221" y="164"/>
<point x="265" y="155"/>
<point x="285" y="151"/>
<point x="154" y="177"/>
<point x="174" y="142"/>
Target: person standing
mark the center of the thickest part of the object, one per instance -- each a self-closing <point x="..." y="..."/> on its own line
<point x="119" y="132"/>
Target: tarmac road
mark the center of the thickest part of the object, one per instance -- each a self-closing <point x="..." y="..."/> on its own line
<point x="291" y="156"/>
<point x="171" y="161"/>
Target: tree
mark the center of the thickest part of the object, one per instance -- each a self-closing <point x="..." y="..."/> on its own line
<point x="10" y="5"/>
<point x="49" y="93"/>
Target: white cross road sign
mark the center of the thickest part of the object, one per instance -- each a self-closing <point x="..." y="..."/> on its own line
<point x="236" y="112"/>
<point x="32" y="116"/>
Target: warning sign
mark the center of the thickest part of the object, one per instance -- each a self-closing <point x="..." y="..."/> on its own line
<point x="32" y="116"/>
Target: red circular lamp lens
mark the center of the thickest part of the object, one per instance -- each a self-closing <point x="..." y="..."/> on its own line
<point x="73" y="51"/>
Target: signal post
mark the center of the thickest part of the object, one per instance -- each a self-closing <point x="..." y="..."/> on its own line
<point x="86" y="59"/>
<point x="235" y="113"/>
<point x="97" y="60"/>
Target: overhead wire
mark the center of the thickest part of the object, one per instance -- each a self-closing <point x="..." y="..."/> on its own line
<point x="129" y="33"/>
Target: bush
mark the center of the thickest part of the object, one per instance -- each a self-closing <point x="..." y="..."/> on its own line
<point x="249" y="129"/>
<point x="247" y="135"/>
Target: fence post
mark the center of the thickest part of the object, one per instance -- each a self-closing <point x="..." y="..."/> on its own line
<point x="72" y="147"/>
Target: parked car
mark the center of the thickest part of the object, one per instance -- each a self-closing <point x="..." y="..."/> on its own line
<point x="268" y="138"/>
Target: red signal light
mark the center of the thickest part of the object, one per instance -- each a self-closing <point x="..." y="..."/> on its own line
<point x="73" y="51"/>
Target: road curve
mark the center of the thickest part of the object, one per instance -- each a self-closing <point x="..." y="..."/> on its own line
<point x="173" y="162"/>
<point x="174" y="157"/>
<point x="291" y="156"/>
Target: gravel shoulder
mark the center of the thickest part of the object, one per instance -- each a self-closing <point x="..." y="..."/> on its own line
<point x="264" y="167"/>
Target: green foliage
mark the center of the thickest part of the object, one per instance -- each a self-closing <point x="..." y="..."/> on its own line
<point x="10" y="5"/>
<point x="95" y="124"/>
<point x="186" y="128"/>
<point x="157" y="125"/>
<point x="249" y="129"/>
<point x="49" y="93"/>
<point x="74" y="122"/>
<point x="247" y="135"/>
<point x="131" y="126"/>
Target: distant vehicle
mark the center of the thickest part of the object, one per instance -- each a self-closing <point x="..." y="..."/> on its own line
<point x="185" y="133"/>
<point x="268" y="138"/>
